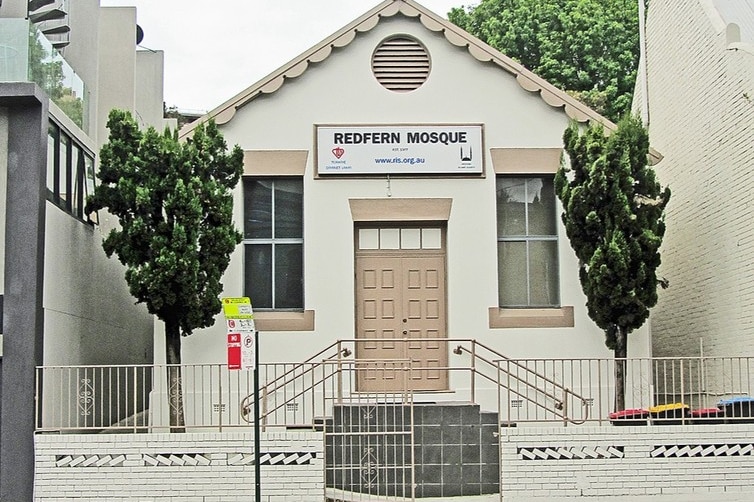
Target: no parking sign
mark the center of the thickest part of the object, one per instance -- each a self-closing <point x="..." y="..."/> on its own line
<point x="239" y="319"/>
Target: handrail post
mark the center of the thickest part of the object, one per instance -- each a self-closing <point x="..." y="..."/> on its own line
<point x="264" y="409"/>
<point x="473" y="371"/>
<point x="340" y="373"/>
<point x="220" y="388"/>
<point x="135" y="393"/>
<point x="406" y="375"/>
<point x="683" y="392"/>
<point x="565" y="406"/>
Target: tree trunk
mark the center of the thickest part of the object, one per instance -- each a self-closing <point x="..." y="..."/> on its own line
<point x="175" y="392"/>
<point x="621" y="350"/>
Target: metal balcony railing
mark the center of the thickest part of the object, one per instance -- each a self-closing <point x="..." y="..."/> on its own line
<point x="302" y="394"/>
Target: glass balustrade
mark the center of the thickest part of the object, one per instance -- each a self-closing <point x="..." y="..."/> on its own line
<point x="27" y="56"/>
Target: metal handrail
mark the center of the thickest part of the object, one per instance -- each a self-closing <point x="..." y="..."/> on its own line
<point x="560" y="406"/>
<point x="282" y="380"/>
<point x="309" y="367"/>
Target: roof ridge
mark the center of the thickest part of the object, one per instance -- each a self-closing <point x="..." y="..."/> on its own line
<point x="481" y="51"/>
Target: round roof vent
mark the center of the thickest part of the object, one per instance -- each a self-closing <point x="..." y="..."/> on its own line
<point x="401" y="64"/>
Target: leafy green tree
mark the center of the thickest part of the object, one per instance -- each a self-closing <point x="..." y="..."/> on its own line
<point x="589" y="48"/>
<point x="614" y="218"/>
<point x="174" y="204"/>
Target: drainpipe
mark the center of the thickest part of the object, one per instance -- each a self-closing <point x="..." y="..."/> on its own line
<point x="642" y="70"/>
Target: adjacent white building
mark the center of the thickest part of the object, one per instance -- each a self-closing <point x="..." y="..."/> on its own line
<point x="700" y="100"/>
<point x="63" y="66"/>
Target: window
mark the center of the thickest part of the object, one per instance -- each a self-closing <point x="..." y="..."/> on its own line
<point x="70" y="173"/>
<point x="400" y="238"/>
<point x="527" y="242"/>
<point x="274" y="242"/>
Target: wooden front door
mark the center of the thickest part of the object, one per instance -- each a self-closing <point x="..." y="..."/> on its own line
<point x="400" y="297"/>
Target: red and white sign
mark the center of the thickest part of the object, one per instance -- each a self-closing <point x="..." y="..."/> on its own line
<point x="241" y="350"/>
<point x="239" y="320"/>
<point x="234" y="351"/>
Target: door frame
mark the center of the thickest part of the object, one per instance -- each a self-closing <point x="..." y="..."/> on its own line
<point x="434" y="252"/>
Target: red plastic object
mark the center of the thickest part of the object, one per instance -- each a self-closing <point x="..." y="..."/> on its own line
<point x="706" y="413"/>
<point x="633" y="413"/>
<point x="707" y="416"/>
<point x="632" y="416"/>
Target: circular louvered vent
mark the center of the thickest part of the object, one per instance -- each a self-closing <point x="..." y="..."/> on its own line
<point x="401" y="64"/>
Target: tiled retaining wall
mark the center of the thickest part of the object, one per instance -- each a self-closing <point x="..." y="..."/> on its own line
<point x="600" y="461"/>
<point x="191" y="467"/>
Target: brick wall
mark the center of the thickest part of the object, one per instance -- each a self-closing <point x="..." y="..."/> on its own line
<point x="632" y="461"/>
<point x="537" y="463"/>
<point x="190" y="467"/>
<point x="701" y="119"/>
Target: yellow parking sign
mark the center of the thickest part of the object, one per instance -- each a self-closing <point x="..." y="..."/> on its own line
<point x="237" y="308"/>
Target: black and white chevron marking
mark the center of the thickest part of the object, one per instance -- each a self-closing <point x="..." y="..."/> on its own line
<point x="179" y="459"/>
<point x="187" y="459"/>
<point x="703" y="450"/>
<point x="570" y="453"/>
<point x="273" y="458"/>
<point x="287" y="458"/>
<point x="89" y="460"/>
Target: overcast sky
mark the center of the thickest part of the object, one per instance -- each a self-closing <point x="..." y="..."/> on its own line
<point x="215" y="49"/>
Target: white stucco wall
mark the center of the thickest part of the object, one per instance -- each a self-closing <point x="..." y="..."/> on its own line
<point x="148" y="100"/>
<point x="701" y="120"/>
<point x="14" y="8"/>
<point x="83" y="18"/>
<point x="90" y="317"/>
<point x="460" y="89"/>
<point x="117" y="61"/>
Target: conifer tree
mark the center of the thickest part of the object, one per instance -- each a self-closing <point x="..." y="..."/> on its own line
<point x="174" y="204"/>
<point x="614" y="218"/>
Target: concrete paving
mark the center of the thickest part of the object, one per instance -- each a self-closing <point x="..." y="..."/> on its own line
<point x="679" y="497"/>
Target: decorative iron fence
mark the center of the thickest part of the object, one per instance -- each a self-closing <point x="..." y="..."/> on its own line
<point x="302" y="395"/>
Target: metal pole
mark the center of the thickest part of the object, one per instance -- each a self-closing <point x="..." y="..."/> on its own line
<point x="257" y="467"/>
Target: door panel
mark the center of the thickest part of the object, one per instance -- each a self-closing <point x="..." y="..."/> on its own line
<point x="401" y="297"/>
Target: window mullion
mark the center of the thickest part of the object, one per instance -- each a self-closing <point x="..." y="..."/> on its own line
<point x="273" y="274"/>
<point x="526" y="207"/>
<point x="528" y="274"/>
<point x="56" y="167"/>
<point x="273" y="218"/>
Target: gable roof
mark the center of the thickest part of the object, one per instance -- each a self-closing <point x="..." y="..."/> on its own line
<point x="550" y="94"/>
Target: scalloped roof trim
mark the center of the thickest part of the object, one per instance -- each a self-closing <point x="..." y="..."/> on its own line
<point x="528" y="81"/>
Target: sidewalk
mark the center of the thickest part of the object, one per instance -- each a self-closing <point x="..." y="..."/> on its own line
<point x="679" y="497"/>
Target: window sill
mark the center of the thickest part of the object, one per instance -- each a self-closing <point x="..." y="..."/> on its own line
<point x="531" y="318"/>
<point x="284" y="321"/>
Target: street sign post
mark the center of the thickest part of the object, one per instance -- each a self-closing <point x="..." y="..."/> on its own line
<point x="243" y="353"/>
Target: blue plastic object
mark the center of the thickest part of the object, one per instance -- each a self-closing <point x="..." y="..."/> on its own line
<point x="735" y="400"/>
<point x="736" y="407"/>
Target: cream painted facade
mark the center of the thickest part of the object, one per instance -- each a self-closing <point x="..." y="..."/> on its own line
<point x="701" y="117"/>
<point x="275" y="122"/>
